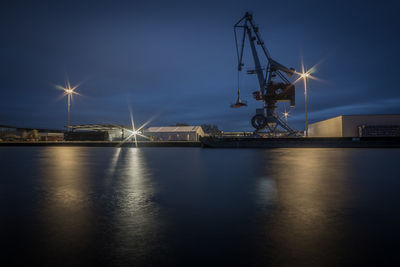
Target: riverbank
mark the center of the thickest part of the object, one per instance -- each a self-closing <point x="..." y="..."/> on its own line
<point x="311" y="142"/>
<point x="234" y="142"/>
<point x="105" y="144"/>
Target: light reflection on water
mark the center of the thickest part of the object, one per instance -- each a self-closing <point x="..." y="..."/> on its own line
<point x="66" y="206"/>
<point x="158" y="206"/>
<point x="311" y="193"/>
<point x="136" y="214"/>
<point x="126" y="197"/>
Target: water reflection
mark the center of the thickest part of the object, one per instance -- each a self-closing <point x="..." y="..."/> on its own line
<point x="66" y="175"/>
<point x="135" y="214"/>
<point x="86" y="203"/>
<point x="114" y="161"/>
<point x="66" y="206"/>
<point x="311" y="193"/>
<point x="176" y="206"/>
<point x="266" y="191"/>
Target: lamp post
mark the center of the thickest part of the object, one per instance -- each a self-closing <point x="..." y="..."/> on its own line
<point x="69" y="108"/>
<point x="69" y="92"/>
<point x="305" y="75"/>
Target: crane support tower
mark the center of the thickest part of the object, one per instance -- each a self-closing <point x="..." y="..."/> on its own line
<point x="274" y="85"/>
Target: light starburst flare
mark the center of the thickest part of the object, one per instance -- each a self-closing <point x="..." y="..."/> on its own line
<point x="285" y="114"/>
<point x="305" y="75"/>
<point x="134" y="132"/>
<point x="69" y="91"/>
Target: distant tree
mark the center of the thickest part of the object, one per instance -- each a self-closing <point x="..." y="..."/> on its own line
<point x="31" y="135"/>
<point x="210" y="129"/>
<point x="182" y="124"/>
<point x="35" y="134"/>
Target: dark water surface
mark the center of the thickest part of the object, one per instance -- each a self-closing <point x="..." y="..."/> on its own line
<point x="191" y="206"/>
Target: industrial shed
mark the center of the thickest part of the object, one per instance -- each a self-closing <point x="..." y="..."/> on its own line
<point x="174" y="133"/>
<point x="111" y="132"/>
<point x="357" y="126"/>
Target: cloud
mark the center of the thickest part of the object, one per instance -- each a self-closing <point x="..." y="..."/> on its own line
<point x="179" y="57"/>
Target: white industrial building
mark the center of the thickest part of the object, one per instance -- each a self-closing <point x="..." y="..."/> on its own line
<point x="174" y="133"/>
<point x="356" y="126"/>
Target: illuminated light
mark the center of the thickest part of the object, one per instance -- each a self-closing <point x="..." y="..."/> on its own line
<point x="135" y="132"/>
<point x="69" y="91"/>
<point x="286" y="114"/>
<point x="305" y="75"/>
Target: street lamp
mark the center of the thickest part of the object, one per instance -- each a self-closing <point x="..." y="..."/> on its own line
<point x="305" y="75"/>
<point x="69" y="91"/>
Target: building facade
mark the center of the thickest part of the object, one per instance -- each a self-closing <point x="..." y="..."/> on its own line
<point x="174" y="133"/>
<point x="356" y="126"/>
<point x="111" y="132"/>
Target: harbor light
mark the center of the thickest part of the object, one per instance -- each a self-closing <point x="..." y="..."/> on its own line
<point x="305" y="75"/>
<point x="69" y="91"/>
<point x="285" y="114"/>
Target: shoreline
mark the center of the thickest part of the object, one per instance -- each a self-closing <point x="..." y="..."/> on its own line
<point x="105" y="143"/>
<point x="231" y="142"/>
<point x="309" y="142"/>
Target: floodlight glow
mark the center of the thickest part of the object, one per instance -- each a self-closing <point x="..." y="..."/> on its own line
<point x="135" y="132"/>
<point x="286" y="114"/>
<point x="69" y="91"/>
<point x="305" y="75"/>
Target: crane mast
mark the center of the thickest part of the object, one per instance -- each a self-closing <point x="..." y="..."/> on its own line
<point x="270" y="90"/>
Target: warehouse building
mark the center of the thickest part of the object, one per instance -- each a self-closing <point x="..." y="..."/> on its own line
<point x="46" y="136"/>
<point x="174" y="133"/>
<point x="97" y="132"/>
<point x="114" y="132"/>
<point x="357" y="126"/>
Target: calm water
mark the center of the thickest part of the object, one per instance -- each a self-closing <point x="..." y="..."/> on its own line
<point x="192" y="206"/>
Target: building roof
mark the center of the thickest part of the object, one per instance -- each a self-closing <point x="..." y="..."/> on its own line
<point x="168" y="129"/>
<point x="360" y="116"/>
<point x="98" y="127"/>
<point x="363" y="115"/>
<point x="30" y="129"/>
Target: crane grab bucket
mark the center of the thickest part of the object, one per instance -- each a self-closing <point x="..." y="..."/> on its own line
<point x="239" y="102"/>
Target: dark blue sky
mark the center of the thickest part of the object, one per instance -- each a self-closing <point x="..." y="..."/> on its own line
<point x="178" y="59"/>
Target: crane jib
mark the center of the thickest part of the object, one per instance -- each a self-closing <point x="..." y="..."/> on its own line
<point x="271" y="90"/>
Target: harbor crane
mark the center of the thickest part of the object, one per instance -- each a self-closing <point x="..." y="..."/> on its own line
<point x="274" y="85"/>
